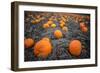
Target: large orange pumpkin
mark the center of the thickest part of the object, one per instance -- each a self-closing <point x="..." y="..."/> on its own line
<point x="75" y="47"/>
<point x="42" y="48"/>
<point x="58" y="34"/>
<point x="28" y="42"/>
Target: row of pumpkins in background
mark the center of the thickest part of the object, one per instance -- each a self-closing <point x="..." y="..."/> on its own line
<point x="43" y="48"/>
<point x="62" y="22"/>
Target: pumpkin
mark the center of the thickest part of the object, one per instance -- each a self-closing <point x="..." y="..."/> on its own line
<point x="28" y="42"/>
<point x="80" y="19"/>
<point x="50" y="22"/>
<point x="33" y="22"/>
<point x="65" y="29"/>
<point x="46" y="38"/>
<point x="75" y="47"/>
<point x="82" y="24"/>
<point x="42" y="48"/>
<point x="46" y="25"/>
<point x="38" y="16"/>
<point x="37" y="21"/>
<point x="50" y="19"/>
<point x="62" y="25"/>
<point x="53" y="25"/>
<point x="62" y="22"/>
<point x="84" y="29"/>
<point x="58" y="34"/>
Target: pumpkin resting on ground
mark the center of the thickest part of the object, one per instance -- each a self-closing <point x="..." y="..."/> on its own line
<point x="53" y="25"/>
<point x="46" y="25"/>
<point x="42" y="48"/>
<point x="50" y="22"/>
<point x="84" y="29"/>
<point x="82" y="24"/>
<point x="62" y="25"/>
<point x="65" y="29"/>
<point x="28" y="42"/>
<point x="75" y="48"/>
<point x="58" y="34"/>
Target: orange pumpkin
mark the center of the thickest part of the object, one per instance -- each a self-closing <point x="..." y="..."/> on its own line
<point x="50" y="22"/>
<point x="42" y="48"/>
<point x="46" y="38"/>
<point x="84" y="29"/>
<point x="58" y="34"/>
<point x="62" y="25"/>
<point x="80" y="19"/>
<point x="37" y="21"/>
<point x="82" y="24"/>
<point x="33" y="21"/>
<point x="50" y="19"/>
<point x="75" y="47"/>
<point x="28" y="42"/>
<point x="38" y="16"/>
<point x="46" y="25"/>
<point x="62" y="22"/>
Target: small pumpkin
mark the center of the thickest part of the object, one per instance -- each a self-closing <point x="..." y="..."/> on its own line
<point x="58" y="34"/>
<point x="38" y="16"/>
<point x="42" y="48"/>
<point x="82" y="24"/>
<point x="46" y="25"/>
<point x="62" y="22"/>
<point x="33" y="22"/>
<point x="50" y="19"/>
<point x="62" y="25"/>
<point x="50" y="22"/>
<point x="53" y="25"/>
<point x="37" y="21"/>
<point x="75" y="47"/>
<point x="28" y="42"/>
<point x="84" y="29"/>
<point x="65" y="29"/>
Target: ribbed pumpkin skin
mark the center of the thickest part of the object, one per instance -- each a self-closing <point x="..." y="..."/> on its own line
<point x="75" y="47"/>
<point x="42" y="48"/>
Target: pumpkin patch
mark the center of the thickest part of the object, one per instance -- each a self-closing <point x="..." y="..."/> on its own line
<point x="57" y="36"/>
